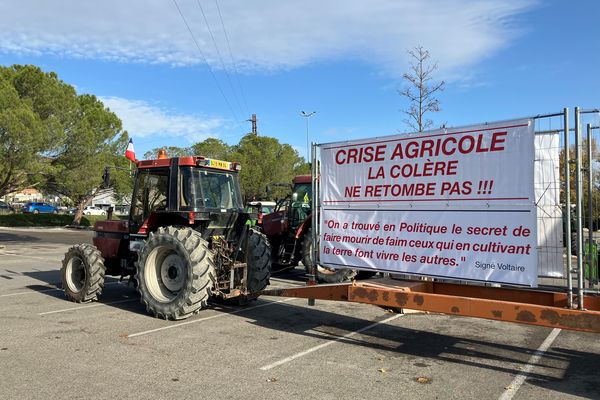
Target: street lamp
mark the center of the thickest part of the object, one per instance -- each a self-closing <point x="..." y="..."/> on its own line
<point x="307" y="116"/>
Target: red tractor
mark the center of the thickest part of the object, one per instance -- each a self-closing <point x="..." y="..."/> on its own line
<point x="289" y="231"/>
<point x="186" y="240"/>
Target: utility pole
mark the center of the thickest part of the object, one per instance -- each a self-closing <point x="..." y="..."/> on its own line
<point x="253" y="120"/>
<point x="307" y="116"/>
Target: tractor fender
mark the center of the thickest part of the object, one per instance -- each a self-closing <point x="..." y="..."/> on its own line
<point x="110" y="237"/>
<point x="304" y="226"/>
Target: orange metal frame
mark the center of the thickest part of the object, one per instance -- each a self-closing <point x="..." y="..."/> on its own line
<point x="504" y="304"/>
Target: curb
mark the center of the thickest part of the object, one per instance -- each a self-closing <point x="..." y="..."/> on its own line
<point x="44" y="228"/>
<point x="79" y="227"/>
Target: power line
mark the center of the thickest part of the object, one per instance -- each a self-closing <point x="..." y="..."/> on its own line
<point x="232" y="59"/>
<point x="206" y="62"/>
<point x="220" y="57"/>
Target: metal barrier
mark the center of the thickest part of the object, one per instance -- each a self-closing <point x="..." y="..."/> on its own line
<point x="565" y="187"/>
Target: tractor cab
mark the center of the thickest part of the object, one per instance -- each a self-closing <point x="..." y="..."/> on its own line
<point x="196" y="191"/>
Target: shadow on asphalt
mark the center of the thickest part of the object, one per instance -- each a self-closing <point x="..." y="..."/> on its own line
<point x="580" y="377"/>
<point x="6" y="237"/>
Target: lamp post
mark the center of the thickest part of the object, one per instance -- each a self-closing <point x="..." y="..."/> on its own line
<point x="307" y="116"/>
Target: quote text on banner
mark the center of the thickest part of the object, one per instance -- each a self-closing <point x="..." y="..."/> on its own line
<point x="490" y="246"/>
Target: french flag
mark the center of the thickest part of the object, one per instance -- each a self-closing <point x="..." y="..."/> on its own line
<point x="130" y="152"/>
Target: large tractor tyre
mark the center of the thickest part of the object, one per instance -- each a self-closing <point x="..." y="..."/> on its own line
<point x="83" y="273"/>
<point x="175" y="273"/>
<point x="258" y="260"/>
<point x="324" y="274"/>
<point x="259" y="266"/>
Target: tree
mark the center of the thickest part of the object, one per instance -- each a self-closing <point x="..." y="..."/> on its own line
<point x="172" y="151"/>
<point x="264" y="161"/>
<point x="212" y="148"/>
<point x="54" y="139"/>
<point x="95" y="141"/>
<point x="585" y="184"/>
<point x="421" y="89"/>
<point x="37" y="110"/>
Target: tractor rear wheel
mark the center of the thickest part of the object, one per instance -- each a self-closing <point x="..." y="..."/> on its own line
<point x="258" y="260"/>
<point x="175" y="273"/>
<point x="83" y="273"/>
<point x="324" y="274"/>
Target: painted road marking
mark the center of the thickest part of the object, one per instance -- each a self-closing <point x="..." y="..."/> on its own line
<point x="50" y="290"/>
<point x="286" y="282"/>
<point x="320" y="346"/>
<point x="207" y="318"/>
<point x="87" y="306"/>
<point x="32" y="257"/>
<point x="30" y="292"/>
<point x="533" y="361"/>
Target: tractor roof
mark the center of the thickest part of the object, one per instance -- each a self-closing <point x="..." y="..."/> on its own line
<point x="192" y="161"/>
<point x="302" y="179"/>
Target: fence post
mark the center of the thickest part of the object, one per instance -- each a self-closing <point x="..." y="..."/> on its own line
<point x="578" y="207"/>
<point x="589" y="204"/>
<point x="567" y="172"/>
<point x="313" y="276"/>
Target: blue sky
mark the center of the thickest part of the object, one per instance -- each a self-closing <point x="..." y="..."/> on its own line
<point x="501" y="60"/>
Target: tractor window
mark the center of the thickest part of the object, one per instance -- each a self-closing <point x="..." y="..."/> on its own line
<point x="151" y="194"/>
<point x="300" y="204"/>
<point x="303" y="192"/>
<point x="210" y="189"/>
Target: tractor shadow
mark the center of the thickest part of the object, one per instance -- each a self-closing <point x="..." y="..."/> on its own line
<point x="418" y="344"/>
<point x="8" y="237"/>
<point x="113" y="294"/>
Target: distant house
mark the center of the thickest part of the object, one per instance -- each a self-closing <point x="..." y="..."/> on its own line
<point x="108" y="198"/>
<point x="25" y="195"/>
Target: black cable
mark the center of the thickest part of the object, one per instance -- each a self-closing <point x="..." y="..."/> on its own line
<point x="220" y="57"/>
<point x="206" y="62"/>
<point x="232" y="58"/>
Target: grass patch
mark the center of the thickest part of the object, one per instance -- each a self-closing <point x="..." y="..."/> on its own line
<point x="17" y="220"/>
<point x="38" y="220"/>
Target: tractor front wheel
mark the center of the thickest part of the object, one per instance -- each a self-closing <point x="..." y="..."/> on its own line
<point x="83" y="273"/>
<point x="324" y="274"/>
<point x="175" y="273"/>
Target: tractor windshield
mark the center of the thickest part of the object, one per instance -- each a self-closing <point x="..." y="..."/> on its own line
<point x="204" y="188"/>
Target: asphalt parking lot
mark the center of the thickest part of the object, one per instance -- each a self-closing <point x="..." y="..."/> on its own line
<point x="273" y="348"/>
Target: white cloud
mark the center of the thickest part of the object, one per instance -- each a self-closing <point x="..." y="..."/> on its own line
<point x="264" y="34"/>
<point x="142" y="119"/>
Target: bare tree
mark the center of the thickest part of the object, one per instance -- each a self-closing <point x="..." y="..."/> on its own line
<point x="421" y="89"/>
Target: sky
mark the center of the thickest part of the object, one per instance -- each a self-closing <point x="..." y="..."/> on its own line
<point x="179" y="71"/>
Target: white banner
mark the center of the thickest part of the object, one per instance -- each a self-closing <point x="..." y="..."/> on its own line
<point x="455" y="203"/>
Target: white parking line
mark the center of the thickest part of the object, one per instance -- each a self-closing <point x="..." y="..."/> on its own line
<point x="535" y="358"/>
<point x="58" y="260"/>
<point x="287" y="282"/>
<point x="48" y="290"/>
<point x="30" y="292"/>
<point x="88" y="306"/>
<point x="320" y="346"/>
<point x="207" y="318"/>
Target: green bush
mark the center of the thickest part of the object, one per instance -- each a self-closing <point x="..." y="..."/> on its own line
<point x="38" y="220"/>
<point x="17" y="220"/>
